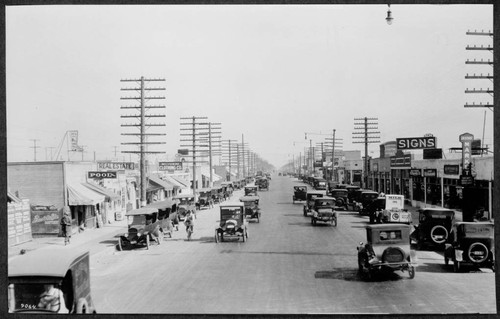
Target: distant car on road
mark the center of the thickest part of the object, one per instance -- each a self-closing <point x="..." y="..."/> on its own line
<point x="323" y="210"/>
<point x="310" y="197"/>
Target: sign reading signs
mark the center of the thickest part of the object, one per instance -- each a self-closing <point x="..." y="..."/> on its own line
<point x="102" y="174"/>
<point x="452" y="169"/>
<point x="401" y="161"/>
<point x="412" y="143"/>
<point x="466" y="140"/>
<point x="165" y="166"/>
<point x="110" y="165"/>
<point x="430" y="172"/>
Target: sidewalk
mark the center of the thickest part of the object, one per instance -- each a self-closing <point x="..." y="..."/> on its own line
<point x="95" y="240"/>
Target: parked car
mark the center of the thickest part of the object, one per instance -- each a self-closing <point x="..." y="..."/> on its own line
<point x="299" y="193"/>
<point x="351" y="194"/>
<point x="323" y="210"/>
<point x="251" y="190"/>
<point x="319" y="183"/>
<point x="263" y="184"/>
<point x="143" y="228"/>
<point x="394" y="211"/>
<point x="340" y="196"/>
<point x="232" y="223"/>
<point x="310" y="196"/>
<point x="472" y="243"/>
<point x="387" y="248"/>
<point x="204" y="199"/>
<point x="30" y="274"/>
<point x="434" y="226"/>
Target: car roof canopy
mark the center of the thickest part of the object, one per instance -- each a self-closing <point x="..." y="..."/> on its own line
<point x="44" y="262"/>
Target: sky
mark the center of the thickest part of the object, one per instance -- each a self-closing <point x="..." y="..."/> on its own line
<point x="270" y="73"/>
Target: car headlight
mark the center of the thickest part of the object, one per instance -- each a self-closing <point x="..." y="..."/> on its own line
<point x="125" y="235"/>
<point x="372" y="260"/>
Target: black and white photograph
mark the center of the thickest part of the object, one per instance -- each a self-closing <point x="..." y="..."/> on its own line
<point x="175" y="158"/>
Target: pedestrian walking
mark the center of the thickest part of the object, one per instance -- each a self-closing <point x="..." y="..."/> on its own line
<point x="66" y="225"/>
<point x="189" y="223"/>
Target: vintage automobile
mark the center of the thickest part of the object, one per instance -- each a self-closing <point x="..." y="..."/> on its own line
<point x="252" y="210"/>
<point x="319" y="183"/>
<point x="216" y="195"/>
<point x="251" y="190"/>
<point x="164" y="209"/>
<point x="374" y="208"/>
<point x="323" y="210"/>
<point x="232" y="223"/>
<point x="143" y="228"/>
<point x="30" y="274"/>
<point x="340" y="196"/>
<point x="351" y="194"/>
<point x="310" y="197"/>
<point x="185" y="203"/>
<point x="299" y="193"/>
<point x="204" y="199"/>
<point x="472" y="243"/>
<point x="387" y="248"/>
<point x="263" y="184"/>
<point x="394" y="211"/>
<point x="362" y="197"/>
<point x="434" y="226"/>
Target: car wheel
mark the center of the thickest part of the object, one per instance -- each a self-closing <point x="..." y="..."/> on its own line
<point x="216" y="237"/>
<point x="446" y="261"/>
<point x="120" y="248"/>
<point x="147" y="241"/>
<point x="305" y="212"/>
<point x="456" y="266"/>
<point x="244" y="236"/>
<point x="411" y="272"/>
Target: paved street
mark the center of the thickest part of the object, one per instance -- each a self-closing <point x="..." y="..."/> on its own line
<point x="286" y="266"/>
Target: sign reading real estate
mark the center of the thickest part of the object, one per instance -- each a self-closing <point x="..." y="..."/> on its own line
<point x="165" y="166"/>
<point x="115" y="165"/>
<point x="102" y="174"/>
<point x="413" y="143"/>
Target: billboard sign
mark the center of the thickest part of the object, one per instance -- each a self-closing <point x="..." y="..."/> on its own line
<point x="112" y="165"/>
<point x="401" y="161"/>
<point x="413" y="143"/>
<point x="466" y="140"/>
<point x="452" y="169"/>
<point x="430" y="172"/>
<point x="165" y="166"/>
<point x="101" y="174"/>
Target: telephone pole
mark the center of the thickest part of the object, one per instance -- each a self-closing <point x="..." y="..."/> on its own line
<point x="34" y="147"/>
<point x="228" y="154"/>
<point x="333" y="142"/>
<point x="214" y="147"/>
<point x="365" y="134"/>
<point x="197" y="141"/>
<point x="143" y="124"/>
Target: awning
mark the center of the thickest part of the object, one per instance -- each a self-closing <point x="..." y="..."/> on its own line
<point x="81" y="195"/>
<point x="167" y="203"/>
<point x="184" y="183"/>
<point x="108" y="194"/>
<point x="160" y="182"/>
<point x="172" y="181"/>
<point x="13" y="197"/>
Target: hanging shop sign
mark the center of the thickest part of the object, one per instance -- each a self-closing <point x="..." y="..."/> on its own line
<point x="413" y="143"/>
<point x="466" y="180"/>
<point x="466" y="140"/>
<point x="165" y="166"/>
<point x="430" y="172"/>
<point x="401" y="161"/>
<point x="101" y="174"/>
<point x="415" y="172"/>
<point x="115" y="165"/>
<point x="451" y="169"/>
<point x="433" y="153"/>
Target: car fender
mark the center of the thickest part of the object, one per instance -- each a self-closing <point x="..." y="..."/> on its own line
<point x="459" y="255"/>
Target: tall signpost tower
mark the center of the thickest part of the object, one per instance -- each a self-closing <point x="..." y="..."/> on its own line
<point x="142" y="117"/>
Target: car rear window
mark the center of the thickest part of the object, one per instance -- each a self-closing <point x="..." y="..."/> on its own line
<point x="390" y="235"/>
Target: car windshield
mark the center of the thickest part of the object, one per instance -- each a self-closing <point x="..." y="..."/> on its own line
<point x="34" y="296"/>
<point x="230" y="213"/>
<point x="338" y="193"/>
<point x="324" y="203"/>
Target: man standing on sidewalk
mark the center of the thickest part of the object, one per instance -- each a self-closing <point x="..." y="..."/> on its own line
<point x="66" y="225"/>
